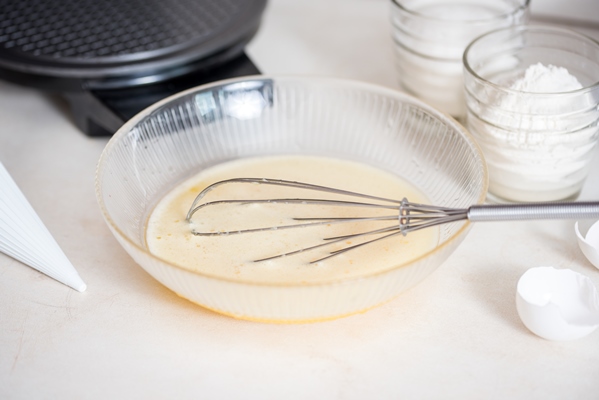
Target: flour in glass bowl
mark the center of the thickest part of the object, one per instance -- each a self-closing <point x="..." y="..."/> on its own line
<point x="535" y="148"/>
<point x="539" y="114"/>
<point x="539" y="78"/>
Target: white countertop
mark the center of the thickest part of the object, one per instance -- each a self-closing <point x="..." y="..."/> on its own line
<point x="457" y="335"/>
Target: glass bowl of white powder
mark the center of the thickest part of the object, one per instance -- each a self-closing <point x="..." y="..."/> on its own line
<point x="339" y="133"/>
<point x="533" y="94"/>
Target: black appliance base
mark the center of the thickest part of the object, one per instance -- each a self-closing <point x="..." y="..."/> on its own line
<point x="102" y="112"/>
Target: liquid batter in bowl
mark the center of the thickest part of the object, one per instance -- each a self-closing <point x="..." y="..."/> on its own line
<point x="169" y="236"/>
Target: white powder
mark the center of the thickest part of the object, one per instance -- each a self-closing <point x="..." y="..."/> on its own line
<point x="539" y="78"/>
<point x="537" y="139"/>
<point x="538" y="113"/>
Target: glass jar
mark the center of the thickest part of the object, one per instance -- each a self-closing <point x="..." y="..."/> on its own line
<point x="537" y="144"/>
<point x="430" y="37"/>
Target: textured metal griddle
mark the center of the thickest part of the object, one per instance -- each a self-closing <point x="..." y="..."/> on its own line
<point x="99" y="38"/>
<point x="75" y="46"/>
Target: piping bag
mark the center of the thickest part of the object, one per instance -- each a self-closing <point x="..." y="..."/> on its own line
<point x="24" y="237"/>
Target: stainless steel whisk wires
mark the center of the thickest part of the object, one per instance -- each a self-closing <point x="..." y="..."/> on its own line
<point x="383" y="203"/>
<point x="408" y="216"/>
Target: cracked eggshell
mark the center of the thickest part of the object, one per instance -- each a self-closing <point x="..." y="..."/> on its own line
<point x="557" y="304"/>
<point x="589" y="242"/>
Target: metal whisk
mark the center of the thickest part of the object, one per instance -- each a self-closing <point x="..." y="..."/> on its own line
<point x="408" y="216"/>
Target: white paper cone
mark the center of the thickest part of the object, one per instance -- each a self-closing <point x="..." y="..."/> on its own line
<point x="24" y="236"/>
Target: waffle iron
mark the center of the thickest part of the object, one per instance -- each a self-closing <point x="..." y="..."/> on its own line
<point x="111" y="59"/>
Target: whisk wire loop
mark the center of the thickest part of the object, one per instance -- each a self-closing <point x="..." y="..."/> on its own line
<point x="279" y="182"/>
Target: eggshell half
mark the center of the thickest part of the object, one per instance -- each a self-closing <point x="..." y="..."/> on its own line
<point x="557" y="304"/>
<point x="589" y="243"/>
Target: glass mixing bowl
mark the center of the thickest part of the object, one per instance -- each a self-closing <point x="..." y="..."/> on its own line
<point x="258" y="116"/>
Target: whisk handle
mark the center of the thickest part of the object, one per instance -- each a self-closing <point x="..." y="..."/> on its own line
<point x="520" y="212"/>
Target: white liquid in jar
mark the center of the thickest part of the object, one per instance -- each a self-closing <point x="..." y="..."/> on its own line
<point x="231" y="256"/>
<point x="465" y="11"/>
<point x="431" y="40"/>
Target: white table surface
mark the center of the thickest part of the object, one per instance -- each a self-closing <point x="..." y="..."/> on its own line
<point x="457" y="335"/>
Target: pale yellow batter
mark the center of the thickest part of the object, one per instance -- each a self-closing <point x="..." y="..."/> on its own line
<point x="232" y="256"/>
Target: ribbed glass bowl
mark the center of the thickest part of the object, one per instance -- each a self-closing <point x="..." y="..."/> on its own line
<point x="223" y="121"/>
